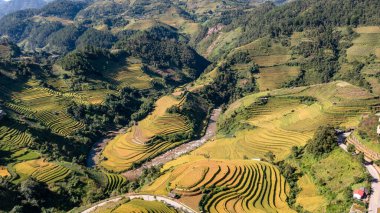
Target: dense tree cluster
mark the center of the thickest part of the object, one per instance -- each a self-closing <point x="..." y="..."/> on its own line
<point x="174" y="54"/>
<point x="323" y="142"/>
<point x="95" y="38"/>
<point x="269" y="19"/>
<point x="32" y="196"/>
<point x="85" y="62"/>
<point x="63" y="40"/>
<point x="40" y="33"/>
<point x="226" y="87"/>
<point x="115" y="111"/>
<point x="63" y="8"/>
<point x="195" y="109"/>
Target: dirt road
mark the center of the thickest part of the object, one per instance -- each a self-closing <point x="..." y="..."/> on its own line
<point x="166" y="200"/>
<point x="180" y="150"/>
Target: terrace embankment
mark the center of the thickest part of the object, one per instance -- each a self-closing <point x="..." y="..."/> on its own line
<point x="180" y="150"/>
<point x="98" y="147"/>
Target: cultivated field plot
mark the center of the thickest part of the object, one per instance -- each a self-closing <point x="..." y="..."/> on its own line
<point x="114" y="181"/>
<point x="272" y="58"/>
<point x="136" y="145"/>
<point x="4" y="172"/>
<point x="286" y="121"/>
<point x="135" y="206"/>
<point x="41" y="170"/>
<point x="130" y="74"/>
<point x="13" y="136"/>
<point x="5" y="51"/>
<point x="271" y="78"/>
<point x="233" y="186"/>
<point x="309" y="197"/>
<point x="46" y="106"/>
<point x="366" y="44"/>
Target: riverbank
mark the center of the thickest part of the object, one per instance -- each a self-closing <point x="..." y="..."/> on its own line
<point x="93" y="156"/>
<point x="179" y="150"/>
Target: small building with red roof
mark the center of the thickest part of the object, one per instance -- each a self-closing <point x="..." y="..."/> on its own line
<point x="359" y="193"/>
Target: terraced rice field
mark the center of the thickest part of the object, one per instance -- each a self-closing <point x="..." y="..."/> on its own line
<point x="309" y="197"/>
<point x="284" y="121"/>
<point x="48" y="107"/>
<point x="271" y="78"/>
<point x="131" y="75"/>
<point x="41" y="170"/>
<point x="5" y="51"/>
<point x="244" y="185"/>
<point x="114" y="181"/>
<point x="136" y="145"/>
<point x="58" y="121"/>
<point x="269" y="133"/>
<point x="135" y="206"/>
<point x="13" y="136"/>
<point x="4" y="172"/>
<point x="272" y="58"/>
<point x="367" y="43"/>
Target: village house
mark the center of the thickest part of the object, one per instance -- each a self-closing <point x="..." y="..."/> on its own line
<point x="359" y="193"/>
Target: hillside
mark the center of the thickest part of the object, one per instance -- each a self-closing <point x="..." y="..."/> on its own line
<point x="96" y="95"/>
<point x="15" y="5"/>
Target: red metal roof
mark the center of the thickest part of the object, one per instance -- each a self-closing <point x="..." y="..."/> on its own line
<point x="359" y="192"/>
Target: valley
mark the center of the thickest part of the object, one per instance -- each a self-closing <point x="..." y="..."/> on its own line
<point x="190" y="106"/>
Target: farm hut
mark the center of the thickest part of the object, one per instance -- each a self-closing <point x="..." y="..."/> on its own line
<point x="173" y="195"/>
<point x="359" y="193"/>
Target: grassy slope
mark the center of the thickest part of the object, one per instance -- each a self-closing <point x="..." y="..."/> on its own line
<point x="335" y="181"/>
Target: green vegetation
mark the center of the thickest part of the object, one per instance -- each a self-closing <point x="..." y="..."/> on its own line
<point x="336" y="181"/>
<point x="323" y="142"/>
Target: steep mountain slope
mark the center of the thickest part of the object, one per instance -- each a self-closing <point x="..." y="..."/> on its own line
<point x="9" y="6"/>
